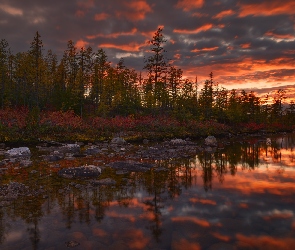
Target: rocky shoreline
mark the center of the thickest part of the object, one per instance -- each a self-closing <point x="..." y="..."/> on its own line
<point x="116" y="154"/>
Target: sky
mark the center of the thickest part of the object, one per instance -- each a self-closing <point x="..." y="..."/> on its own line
<point x="247" y="44"/>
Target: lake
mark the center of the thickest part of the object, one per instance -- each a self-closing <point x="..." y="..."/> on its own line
<point x="238" y="196"/>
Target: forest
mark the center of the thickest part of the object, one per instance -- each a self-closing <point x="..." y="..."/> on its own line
<point x="81" y="92"/>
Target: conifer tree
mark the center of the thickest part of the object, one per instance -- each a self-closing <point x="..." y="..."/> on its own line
<point x="4" y="67"/>
<point x="156" y="66"/>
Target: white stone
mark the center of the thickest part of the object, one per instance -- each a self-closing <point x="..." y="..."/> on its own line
<point x="15" y="152"/>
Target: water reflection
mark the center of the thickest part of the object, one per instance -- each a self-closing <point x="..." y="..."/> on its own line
<point x="241" y="196"/>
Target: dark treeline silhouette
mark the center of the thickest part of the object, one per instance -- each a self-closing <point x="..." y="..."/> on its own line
<point x="85" y="81"/>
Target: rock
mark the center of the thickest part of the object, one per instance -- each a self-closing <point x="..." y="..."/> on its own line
<point x="211" y="141"/>
<point x="178" y="141"/>
<point x="92" y="150"/>
<point x="131" y="166"/>
<point x="70" y="148"/>
<point x="26" y="163"/>
<point x="2" y="145"/>
<point x="18" y="152"/>
<point x="86" y="171"/>
<point x="118" y="140"/>
<point x="56" y="156"/>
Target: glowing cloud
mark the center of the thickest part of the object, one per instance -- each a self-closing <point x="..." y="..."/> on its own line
<point x="114" y="35"/>
<point x="126" y="47"/>
<point x="11" y="10"/>
<point x="224" y="13"/>
<point x="268" y="8"/>
<point x="134" y="10"/>
<point x="205" y="49"/>
<point x="267" y="242"/>
<point x="101" y="16"/>
<point x="200" y="222"/>
<point x="187" y="5"/>
<point x="81" y="44"/>
<point x="205" y="27"/>
<point x="245" y="45"/>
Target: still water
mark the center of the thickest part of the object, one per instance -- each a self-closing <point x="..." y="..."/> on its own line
<point x="241" y="196"/>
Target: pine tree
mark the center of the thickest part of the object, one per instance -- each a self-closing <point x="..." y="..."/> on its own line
<point x="156" y="66"/>
<point x="4" y="67"/>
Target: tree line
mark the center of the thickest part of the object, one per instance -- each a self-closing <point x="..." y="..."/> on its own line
<point x="85" y="81"/>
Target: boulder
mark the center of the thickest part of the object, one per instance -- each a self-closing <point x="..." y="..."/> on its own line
<point x="178" y="141"/>
<point x="211" y="141"/>
<point x="86" y="171"/>
<point x="118" y="140"/>
<point x="18" y="152"/>
<point x="92" y="150"/>
<point x="70" y="148"/>
<point x="131" y="166"/>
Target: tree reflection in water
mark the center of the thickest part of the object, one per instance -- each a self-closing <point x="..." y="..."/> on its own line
<point x="80" y="202"/>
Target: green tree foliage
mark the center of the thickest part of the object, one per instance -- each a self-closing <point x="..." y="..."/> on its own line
<point x="156" y="66"/>
<point x="87" y="83"/>
<point x="4" y="72"/>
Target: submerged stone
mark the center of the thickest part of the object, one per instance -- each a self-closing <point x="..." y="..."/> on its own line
<point x="106" y="181"/>
<point x="131" y="166"/>
<point x="87" y="171"/>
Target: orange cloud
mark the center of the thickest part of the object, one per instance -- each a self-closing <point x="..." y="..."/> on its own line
<point x="81" y="44"/>
<point x="113" y="214"/>
<point x="202" y="28"/>
<point x="133" y="238"/>
<point x="185" y="244"/>
<point x="245" y="45"/>
<point x="114" y="35"/>
<point x="205" y="49"/>
<point x="203" y="201"/>
<point x="243" y="205"/>
<point x="200" y="222"/>
<point x="80" y="13"/>
<point x="267" y="242"/>
<point x="177" y="56"/>
<point x="86" y="4"/>
<point x="101" y="16"/>
<point x="221" y="237"/>
<point x="278" y="36"/>
<point x="188" y="5"/>
<point x="268" y="8"/>
<point x="277" y="214"/>
<point x="224" y="13"/>
<point x="134" y="11"/>
<point x="126" y="47"/>
<point x="11" y="10"/>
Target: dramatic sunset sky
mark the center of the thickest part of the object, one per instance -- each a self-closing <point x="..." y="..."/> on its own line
<point x="245" y="43"/>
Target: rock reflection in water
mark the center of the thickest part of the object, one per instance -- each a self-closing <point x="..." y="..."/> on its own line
<point x="240" y="196"/>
